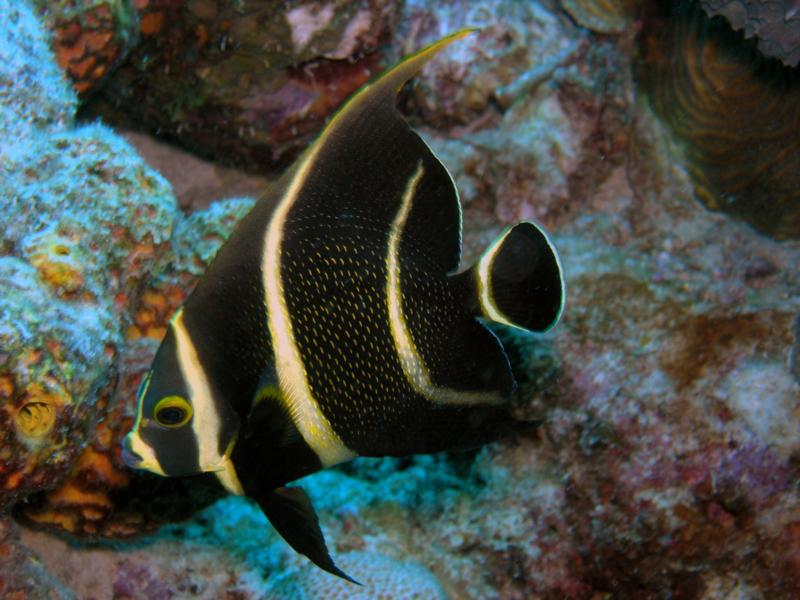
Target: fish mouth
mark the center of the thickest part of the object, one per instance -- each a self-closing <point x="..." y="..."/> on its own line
<point x="129" y="457"/>
<point x="135" y="460"/>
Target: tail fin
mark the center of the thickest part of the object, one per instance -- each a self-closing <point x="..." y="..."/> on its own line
<point x="517" y="281"/>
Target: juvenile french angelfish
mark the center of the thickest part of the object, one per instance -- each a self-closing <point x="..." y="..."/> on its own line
<point x="338" y="324"/>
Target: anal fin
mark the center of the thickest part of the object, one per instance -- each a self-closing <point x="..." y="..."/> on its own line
<point x="290" y="511"/>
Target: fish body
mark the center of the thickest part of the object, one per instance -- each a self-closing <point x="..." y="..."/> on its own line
<point x="337" y="325"/>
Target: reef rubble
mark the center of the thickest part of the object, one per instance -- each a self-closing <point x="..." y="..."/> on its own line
<point x="668" y="462"/>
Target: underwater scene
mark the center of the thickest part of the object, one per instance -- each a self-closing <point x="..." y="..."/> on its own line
<point x="392" y="299"/>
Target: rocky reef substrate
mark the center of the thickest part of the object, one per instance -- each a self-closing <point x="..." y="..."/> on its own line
<point x="668" y="462"/>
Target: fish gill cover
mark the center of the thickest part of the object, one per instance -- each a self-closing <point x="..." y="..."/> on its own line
<point x="669" y="458"/>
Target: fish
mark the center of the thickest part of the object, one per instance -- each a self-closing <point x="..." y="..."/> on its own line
<point x="335" y="323"/>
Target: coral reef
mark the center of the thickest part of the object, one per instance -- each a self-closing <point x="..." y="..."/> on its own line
<point x="776" y="24"/>
<point x="601" y="16"/>
<point x="667" y="465"/>
<point x="90" y="38"/>
<point x="736" y="114"/>
<point x="47" y="396"/>
<point x="101" y="497"/>
<point x="182" y="84"/>
<point x="252" y="86"/>
<point x="518" y="45"/>
<point x="22" y="575"/>
<point x="186" y="568"/>
<point x="86" y="222"/>
<point x="560" y="136"/>
<point x="33" y="94"/>
<point x="64" y="285"/>
<point x="68" y="288"/>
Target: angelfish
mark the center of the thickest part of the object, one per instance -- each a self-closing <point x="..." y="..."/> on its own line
<point x="338" y="324"/>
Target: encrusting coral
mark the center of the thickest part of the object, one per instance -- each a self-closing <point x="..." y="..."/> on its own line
<point x="65" y="193"/>
<point x="33" y="93"/>
<point x="101" y="497"/>
<point x="67" y="289"/>
<point x="90" y="38"/>
<point x="80" y="317"/>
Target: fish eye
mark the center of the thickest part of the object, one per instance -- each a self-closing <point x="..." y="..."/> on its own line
<point x="172" y="412"/>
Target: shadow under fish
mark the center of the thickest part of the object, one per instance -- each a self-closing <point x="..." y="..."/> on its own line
<point x="338" y="326"/>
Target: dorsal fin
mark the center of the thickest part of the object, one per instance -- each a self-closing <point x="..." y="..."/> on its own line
<point x="354" y="175"/>
<point x="383" y="90"/>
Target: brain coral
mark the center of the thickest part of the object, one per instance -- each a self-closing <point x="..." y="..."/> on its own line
<point x="383" y="578"/>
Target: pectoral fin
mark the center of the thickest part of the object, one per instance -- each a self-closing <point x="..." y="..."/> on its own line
<point x="291" y="514"/>
<point x="269" y="416"/>
<point x="270" y="431"/>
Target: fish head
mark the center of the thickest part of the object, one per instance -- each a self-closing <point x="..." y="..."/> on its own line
<point x="183" y="424"/>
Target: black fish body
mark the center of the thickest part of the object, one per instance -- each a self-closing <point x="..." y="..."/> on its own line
<point x="338" y="325"/>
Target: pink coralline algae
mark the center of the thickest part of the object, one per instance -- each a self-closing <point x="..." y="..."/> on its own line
<point x="675" y="417"/>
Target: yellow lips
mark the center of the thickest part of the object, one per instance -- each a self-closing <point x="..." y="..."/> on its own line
<point x="139" y="455"/>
